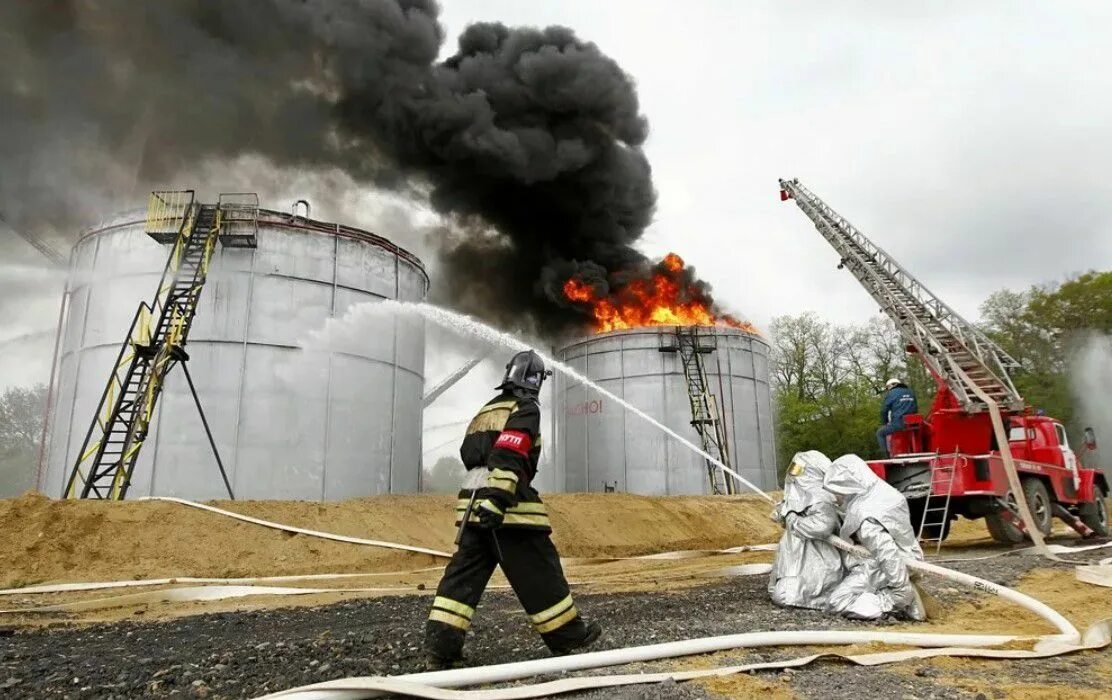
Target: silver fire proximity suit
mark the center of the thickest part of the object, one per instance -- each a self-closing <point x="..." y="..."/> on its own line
<point x="876" y="516"/>
<point x="806" y="567"/>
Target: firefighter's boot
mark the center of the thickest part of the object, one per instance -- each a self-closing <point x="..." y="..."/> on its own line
<point x="439" y="663"/>
<point x="591" y="632"/>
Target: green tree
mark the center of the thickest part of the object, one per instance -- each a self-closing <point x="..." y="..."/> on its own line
<point x="1042" y="328"/>
<point x="1080" y="304"/>
<point x="828" y="383"/>
<point x="444" y="476"/>
<point x="21" y="411"/>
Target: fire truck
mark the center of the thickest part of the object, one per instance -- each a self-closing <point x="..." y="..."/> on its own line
<point x="950" y="462"/>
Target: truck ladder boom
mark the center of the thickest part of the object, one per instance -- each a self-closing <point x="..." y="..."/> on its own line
<point x="954" y="349"/>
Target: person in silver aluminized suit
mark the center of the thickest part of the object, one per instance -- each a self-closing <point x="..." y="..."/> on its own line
<point x="876" y="516"/>
<point x="806" y="567"/>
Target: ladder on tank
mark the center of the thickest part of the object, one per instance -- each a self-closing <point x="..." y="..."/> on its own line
<point x="954" y="349"/>
<point x="155" y="342"/>
<point x="705" y="416"/>
<point x="935" y="523"/>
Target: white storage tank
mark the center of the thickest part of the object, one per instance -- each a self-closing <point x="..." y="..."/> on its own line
<point x="602" y="447"/>
<point x="335" y="422"/>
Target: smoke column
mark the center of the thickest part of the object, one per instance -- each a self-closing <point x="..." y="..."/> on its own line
<point x="1091" y="383"/>
<point x="528" y="141"/>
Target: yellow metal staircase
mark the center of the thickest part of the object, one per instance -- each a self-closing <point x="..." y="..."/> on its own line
<point x="155" y="343"/>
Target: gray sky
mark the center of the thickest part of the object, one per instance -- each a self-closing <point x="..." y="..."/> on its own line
<point x="970" y="140"/>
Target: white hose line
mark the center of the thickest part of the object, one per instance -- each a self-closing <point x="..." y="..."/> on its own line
<point x="1098" y="636"/>
<point x="300" y="530"/>
<point x="137" y="583"/>
<point x="238" y="588"/>
<point x="741" y="570"/>
<point x="1068" y="632"/>
<point x="190" y="594"/>
<point x="499" y="673"/>
<point x="195" y="594"/>
<point x="1005" y="451"/>
<point x="672" y="556"/>
<point x="1053" y="548"/>
<point x="1100" y="575"/>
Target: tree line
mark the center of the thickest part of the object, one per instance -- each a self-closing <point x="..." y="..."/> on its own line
<point x="828" y="378"/>
<point x="21" y="413"/>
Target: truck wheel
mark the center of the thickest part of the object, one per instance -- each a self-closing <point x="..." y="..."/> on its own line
<point x="1001" y="530"/>
<point x="1095" y="513"/>
<point x="1038" y="500"/>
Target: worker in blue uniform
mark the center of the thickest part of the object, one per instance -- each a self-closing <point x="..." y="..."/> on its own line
<point x="899" y="401"/>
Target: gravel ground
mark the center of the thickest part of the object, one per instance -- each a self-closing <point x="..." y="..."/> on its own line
<point x="245" y="654"/>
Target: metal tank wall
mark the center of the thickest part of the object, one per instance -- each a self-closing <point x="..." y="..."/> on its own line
<point x="340" y="419"/>
<point x="601" y="445"/>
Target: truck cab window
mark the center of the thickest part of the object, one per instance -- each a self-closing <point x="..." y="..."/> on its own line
<point x="1062" y="440"/>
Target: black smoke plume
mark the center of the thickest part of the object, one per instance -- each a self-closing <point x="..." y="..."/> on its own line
<point x="527" y="140"/>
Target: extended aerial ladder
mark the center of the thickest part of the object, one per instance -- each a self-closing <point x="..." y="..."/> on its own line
<point x="691" y="346"/>
<point x="155" y="342"/>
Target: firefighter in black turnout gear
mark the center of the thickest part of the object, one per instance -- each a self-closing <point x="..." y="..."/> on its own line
<point x="502" y="521"/>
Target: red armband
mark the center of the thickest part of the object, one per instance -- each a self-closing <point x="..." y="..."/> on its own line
<point x="514" y="441"/>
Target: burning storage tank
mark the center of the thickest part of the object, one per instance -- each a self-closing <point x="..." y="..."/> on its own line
<point x="602" y="447"/>
<point x="292" y="419"/>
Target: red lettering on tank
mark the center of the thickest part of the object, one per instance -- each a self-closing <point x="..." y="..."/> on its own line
<point x="584" y="407"/>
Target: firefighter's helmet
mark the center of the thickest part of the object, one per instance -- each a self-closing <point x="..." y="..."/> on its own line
<point x="892" y="382"/>
<point x="525" y="373"/>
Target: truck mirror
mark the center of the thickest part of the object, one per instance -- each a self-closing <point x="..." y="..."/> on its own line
<point x="1090" y="439"/>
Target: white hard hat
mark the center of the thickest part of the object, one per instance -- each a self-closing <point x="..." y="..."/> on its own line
<point x="891" y="383"/>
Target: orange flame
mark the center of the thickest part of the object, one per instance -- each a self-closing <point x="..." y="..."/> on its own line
<point x="663" y="299"/>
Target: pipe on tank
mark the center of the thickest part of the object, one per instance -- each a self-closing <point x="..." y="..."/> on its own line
<point x="451" y="380"/>
<point x="293" y="209"/>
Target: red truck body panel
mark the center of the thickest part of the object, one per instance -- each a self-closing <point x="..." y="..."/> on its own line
<point x="950" y="438"/>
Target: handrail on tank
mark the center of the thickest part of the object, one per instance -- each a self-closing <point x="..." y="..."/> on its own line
<point x="282" y="220"/>
<point x="166" y="210"/>
<point x="237" y="215"/>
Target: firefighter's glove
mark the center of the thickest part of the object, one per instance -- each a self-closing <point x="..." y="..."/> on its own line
<point x="491" y="505"/>
<point x="489" y="513"/>
<point x="776" y="514"/>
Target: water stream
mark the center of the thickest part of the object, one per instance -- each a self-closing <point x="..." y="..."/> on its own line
<point x="465" y="325"/>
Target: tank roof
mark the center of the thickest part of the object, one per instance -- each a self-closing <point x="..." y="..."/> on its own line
<point x="660" y="330"/>
<point x="277" y="219"/>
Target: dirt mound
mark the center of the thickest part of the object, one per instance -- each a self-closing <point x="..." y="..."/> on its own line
<point x="44" y="540"/>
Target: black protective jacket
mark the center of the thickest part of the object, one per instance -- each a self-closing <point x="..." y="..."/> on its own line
<point x="504" y="438"/>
